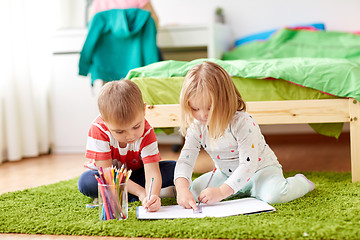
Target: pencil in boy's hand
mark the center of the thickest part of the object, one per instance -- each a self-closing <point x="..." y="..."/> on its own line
<point x="151" y="184"/>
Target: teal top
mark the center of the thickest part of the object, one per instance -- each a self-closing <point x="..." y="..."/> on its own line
<point x="118" y="40"/>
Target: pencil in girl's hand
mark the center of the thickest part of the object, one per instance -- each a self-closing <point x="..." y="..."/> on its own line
<point x="212" y="174"/>
<point x="199" y="210"/>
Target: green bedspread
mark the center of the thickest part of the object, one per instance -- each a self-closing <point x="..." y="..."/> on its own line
<point x="168" y="92"/>
<point x="299" y="43"/>
<point x="325" y="61"/>
<point x="339" y="77"/>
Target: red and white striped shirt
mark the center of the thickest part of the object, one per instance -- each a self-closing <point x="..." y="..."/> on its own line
<point x="101" y="145"/>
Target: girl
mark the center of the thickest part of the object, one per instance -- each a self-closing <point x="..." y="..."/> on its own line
<point x="214" y="116"/>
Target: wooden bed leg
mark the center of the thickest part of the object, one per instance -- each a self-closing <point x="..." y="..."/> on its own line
<point x="354" y="109"/>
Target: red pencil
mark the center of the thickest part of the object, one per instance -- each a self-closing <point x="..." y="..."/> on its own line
<point x="102" y="175"/>
<point x="103" y="197"/>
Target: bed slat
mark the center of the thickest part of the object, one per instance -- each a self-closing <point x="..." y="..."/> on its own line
<point x="300" y="111"/>
<point x="267" y="112"/>
<point x="285" y="112"/>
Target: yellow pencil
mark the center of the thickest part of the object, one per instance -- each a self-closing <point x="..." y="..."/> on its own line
<point x="128" y="175"/>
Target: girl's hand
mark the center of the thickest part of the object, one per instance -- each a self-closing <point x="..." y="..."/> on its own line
<point x="211" y="195"/>
<point x="185" y="199"/>
<point x="153" y="204"/>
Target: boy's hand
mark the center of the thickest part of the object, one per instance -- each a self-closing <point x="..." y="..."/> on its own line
<point x="185" y="199"/>
<point x="153" y="204"/>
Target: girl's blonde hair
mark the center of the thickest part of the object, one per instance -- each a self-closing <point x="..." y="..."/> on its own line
<point x="214" y="84"/>
<point x="120" y="101"/>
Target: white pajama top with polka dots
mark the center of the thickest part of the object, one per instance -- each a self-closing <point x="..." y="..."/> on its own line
<point x="239" y="153"/>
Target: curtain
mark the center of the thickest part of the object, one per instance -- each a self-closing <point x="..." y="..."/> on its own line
<point x="25" y="62"/>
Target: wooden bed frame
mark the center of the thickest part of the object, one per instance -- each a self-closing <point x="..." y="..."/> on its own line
<point x="285" y="112"/>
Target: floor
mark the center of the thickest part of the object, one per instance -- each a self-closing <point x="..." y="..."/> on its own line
<point x="310" y="152"/>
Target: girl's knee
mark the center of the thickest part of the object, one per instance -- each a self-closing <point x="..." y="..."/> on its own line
<point x="196" y="188"/>
<point x="283" y="191"/>
<point x="271" y="198"/>
<point x="273" y="191"/>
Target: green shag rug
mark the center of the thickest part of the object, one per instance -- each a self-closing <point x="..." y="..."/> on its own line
<point x="331" y="211"/>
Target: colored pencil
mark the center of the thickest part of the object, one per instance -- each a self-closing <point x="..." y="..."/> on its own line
<point x="151" y="184"/>
<point x="207" y="185"/>
<point x="107" y="213"/>
<point x="113" y="178"/>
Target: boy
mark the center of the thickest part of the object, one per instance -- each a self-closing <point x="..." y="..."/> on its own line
<point x="121" y="135"/>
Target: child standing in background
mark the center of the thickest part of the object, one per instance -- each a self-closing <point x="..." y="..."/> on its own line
<point x="103" y="5"/>
<point x="122" y="136"/>
<point x="214" y="117"/>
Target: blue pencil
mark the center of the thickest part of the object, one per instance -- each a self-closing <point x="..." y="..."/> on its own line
<point x="151" y="183"/>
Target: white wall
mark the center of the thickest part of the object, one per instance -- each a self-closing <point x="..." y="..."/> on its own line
<point x="244" y="16"/>
<point x="251" y="16"/>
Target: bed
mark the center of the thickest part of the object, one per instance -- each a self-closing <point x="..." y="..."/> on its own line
<point x="317" y="83"/>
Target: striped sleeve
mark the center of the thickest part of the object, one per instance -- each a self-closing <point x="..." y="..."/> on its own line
<point x="98" y="142"/>
<point x="149" y="146"/>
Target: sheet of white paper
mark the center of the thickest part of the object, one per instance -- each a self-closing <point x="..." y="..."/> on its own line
<point x="221" y="209"/>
